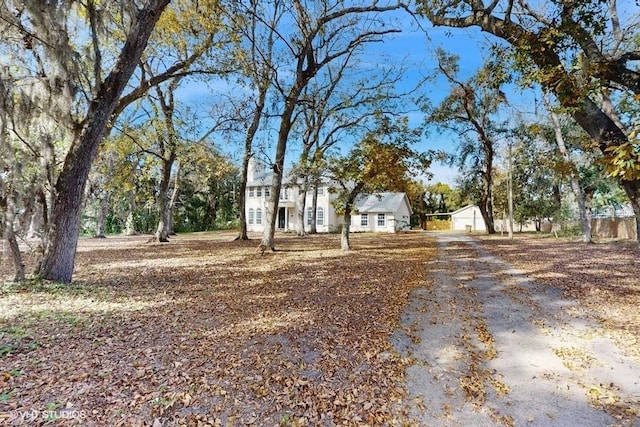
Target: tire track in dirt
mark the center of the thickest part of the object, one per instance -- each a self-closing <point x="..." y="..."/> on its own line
<point x="493" y="348"/>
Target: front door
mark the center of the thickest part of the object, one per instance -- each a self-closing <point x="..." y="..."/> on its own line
<point x="282" y="218"/>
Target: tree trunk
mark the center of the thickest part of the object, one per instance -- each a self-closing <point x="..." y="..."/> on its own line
<point x="268" y="236"/>
<point x="314" y="209"/>
<point x="130" y="224"/>
<point x="248" y="148"/>
<point x="59" y="257"/>
<point x="162" y="232"/>
<point x="632" y="188"/>
<point x="174" y="198"/>
<point x="487" y="214"/>
<point x="585" y="224"/>
<point x="345" y="245"/>
<point x="8" y="205"/>
<point x="35" y="222"/>
<point x="301" y="205"/>
<point x="101" y="217"/>
<point x="484" y="205"/>
<point x="242" y="215"/>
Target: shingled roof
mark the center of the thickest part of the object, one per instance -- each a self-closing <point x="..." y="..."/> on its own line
<point x="380" y="202"/>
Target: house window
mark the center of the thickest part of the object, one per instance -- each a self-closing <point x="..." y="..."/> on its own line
<point x="309" y="215"/>
<point x="251" y="192"/>
<point x="251" y="213"/>
<point x="320" y="190"/>
<point x="284" y="194"/>
<point x="320" y="216"/>
<point x="258" y="191"/>
<point x="267" y="191"/>
<point x="364" y="220"/>
<point x="381" y="220"/>
<point x="258" y="216"/>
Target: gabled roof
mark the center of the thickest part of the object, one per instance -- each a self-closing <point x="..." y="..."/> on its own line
<point x="381" y="202"/>
<point x="462" y="209"/>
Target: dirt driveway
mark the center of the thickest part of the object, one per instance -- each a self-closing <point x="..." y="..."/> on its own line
<point x="492" y="347"/>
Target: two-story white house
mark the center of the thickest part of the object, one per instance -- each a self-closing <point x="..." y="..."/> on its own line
<point x="385" y="212"/>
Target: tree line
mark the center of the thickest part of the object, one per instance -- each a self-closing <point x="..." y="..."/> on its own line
<point x="92" y="112"/>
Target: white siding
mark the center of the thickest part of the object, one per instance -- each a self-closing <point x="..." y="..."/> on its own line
<point x="467" y="218"/>
<point x="393" y="220"/>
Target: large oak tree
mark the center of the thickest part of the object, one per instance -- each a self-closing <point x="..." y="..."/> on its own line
<point x="321" y="32"/>
<point x="79" y="87"/>
<point x="580" y="51"/>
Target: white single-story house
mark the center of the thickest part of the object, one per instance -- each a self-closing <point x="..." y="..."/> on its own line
<point x="387" y="212"/>
<point x="383" y="212"/>
<point x="468" y="218"/>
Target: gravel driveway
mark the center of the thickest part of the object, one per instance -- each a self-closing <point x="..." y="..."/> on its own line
<point x="494" y="348"/>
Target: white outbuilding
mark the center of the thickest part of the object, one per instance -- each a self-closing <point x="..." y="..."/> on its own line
<point x="468" y="219"/>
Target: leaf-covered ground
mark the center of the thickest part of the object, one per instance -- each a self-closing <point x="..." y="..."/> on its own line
<point x="494" y="346"/>
<point x="604" y="277"/>
<point x="206" y="331"/>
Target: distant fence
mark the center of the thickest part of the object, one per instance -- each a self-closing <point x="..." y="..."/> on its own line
<point x="436" y="224"/>
<point x="606" y="228"/>
<point x="614" y="228"/>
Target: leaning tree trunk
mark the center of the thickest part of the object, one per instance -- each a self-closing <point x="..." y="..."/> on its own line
<point x="59" y="257"/>
<point x="585" y="224"/>
<point x="268" y="235"/>
<point x="174" y="198"/>
<point x="248" y="147"/>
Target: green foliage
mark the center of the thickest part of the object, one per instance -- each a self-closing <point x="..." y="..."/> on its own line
<point x="569" y="231"/>
<point x="535" y="179"/>
<point x="441" y="197"/>
<point x="208" y="192"/>
<point x="623" y="161"/>
<point x="129" y="172"/>
<point x="581" y="51"/>
<point x="382" y="161"/>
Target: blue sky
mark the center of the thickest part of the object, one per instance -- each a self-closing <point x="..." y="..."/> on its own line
<point x="415" y="50"/>
<point x="416" y="46"/>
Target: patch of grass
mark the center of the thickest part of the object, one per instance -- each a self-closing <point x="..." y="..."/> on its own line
<point x="13" y="332"/>
<point x="65" y="317"/>
<point x="35" y="285"/>
<point x="16" y="339"/>
<point x="52" y="406"/>
<point x="6" y="349"/>
<point x="6" y="396"/>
